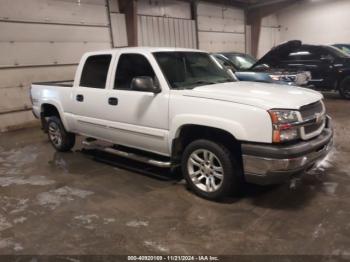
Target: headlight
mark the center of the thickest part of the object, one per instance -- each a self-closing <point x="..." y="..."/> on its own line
<point x="283" y="130"/>
<point x="283" y="116"/>
<point x="276" y="77"/>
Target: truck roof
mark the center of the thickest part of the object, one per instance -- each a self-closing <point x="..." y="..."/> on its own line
<point x="145" y="49"/>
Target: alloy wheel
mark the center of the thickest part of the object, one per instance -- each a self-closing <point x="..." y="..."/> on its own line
<point x="205" y="170"/>
<point x="55" y="134"/>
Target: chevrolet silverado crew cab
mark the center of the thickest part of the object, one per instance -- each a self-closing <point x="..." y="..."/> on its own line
<point x="180" y="108"/>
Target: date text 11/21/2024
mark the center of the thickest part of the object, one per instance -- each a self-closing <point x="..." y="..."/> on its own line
<point x="173" y="258"/>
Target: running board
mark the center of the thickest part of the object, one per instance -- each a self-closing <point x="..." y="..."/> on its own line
<point x="132" y="156"/>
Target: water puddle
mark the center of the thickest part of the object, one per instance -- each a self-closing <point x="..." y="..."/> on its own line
<point x="33" y="180"/>
<point x="54" y="198"/>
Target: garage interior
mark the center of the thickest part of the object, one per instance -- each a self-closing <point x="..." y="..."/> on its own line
<point x="79" y="203"/>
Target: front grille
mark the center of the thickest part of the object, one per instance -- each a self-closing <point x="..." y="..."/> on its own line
<point x="309" y="111"/>
<point x="313" y="128"/>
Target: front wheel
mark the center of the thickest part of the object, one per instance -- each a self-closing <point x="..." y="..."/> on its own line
<point x="344" y="88"/>
<point x="61" y="139"/>
<point x="210" y="169"/>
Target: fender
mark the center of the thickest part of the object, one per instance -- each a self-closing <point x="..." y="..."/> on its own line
<point x="58" y="106"/>
<point x="232" y="127"/>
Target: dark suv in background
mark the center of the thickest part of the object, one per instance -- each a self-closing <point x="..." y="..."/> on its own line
<point x="247" y="67"/>
<point x="329" y="67"/>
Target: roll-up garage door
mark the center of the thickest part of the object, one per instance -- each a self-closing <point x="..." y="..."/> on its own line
<point x="220" y="28"/>
<point x="43" y="40"/>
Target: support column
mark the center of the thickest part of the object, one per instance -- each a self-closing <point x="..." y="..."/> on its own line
<point x="129" y="8"/>
<point x="254" y="20"/>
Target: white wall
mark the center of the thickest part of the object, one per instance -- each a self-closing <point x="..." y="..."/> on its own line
<point x="311" y="21"/>
<point x="220" y="28"/>
<point x="316" y="22"/>
<point x="43" y="40"/>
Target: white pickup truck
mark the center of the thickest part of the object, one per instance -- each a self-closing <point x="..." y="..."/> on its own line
<point x="178" y="107"/>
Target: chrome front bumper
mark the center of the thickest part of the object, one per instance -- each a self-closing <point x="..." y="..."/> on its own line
<point x="272" y="165"/>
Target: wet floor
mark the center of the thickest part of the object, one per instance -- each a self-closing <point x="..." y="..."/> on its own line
<point x="70" y="203"/>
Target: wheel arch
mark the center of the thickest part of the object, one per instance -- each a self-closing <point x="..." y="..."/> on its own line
<point x="48" y="109"/>
<point x="342" y="78"/>
<point x="189" y="132"/>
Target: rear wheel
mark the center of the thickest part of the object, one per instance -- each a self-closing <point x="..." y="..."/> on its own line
<point x="210" y="169"/>
<point x="344" y="88"/>
<point x="61" y="139"/>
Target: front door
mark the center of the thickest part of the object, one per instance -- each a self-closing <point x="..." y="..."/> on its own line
<point x="140" y="119"/>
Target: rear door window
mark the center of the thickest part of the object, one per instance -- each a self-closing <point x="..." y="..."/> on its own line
<point x="95" y="71"/>
<point x="305" y="54"/>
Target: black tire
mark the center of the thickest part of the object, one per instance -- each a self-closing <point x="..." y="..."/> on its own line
<point x="61" y="140"/>
<point x="231" y="175"/>
<point x="344" y="88"/>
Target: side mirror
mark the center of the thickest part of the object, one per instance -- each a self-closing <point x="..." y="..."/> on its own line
<point x="144" y="84"/>
<point x="232" y="74"/>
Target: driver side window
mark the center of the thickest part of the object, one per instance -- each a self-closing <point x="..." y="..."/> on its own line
<point x="129" y="67"/>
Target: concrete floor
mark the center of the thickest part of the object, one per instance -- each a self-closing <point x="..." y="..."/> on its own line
<point x="69" y="203"/>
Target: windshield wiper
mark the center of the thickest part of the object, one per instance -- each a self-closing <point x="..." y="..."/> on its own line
<point x="203" y="82"/>
<point x="226" y="80"/>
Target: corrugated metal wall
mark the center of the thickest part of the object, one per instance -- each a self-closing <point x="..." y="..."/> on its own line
<point x="164" y="31"/>
<point x="220" y="28"/>
<point x="166" y="23"/>
<point x="43" y="40"/>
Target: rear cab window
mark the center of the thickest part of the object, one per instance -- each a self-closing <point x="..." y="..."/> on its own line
<point x="95" y="71"/>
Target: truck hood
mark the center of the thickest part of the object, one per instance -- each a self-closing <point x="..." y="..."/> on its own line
<point x="263" y="95"/>
<point x="275" y="54"/>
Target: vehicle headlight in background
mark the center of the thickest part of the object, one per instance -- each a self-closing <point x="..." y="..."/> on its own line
<point x="282" y="125"/>
<point x="302" y="78"/>
<point x="276" y="77"/>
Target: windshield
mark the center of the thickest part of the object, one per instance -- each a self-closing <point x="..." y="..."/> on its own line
<point x="191" y="69"/>
<point x="241" y="61"/>
<point x="344" y="48"/>
<point x="336" y="52"/>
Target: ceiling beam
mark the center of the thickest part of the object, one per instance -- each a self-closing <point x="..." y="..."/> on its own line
<point x="233" y="3"/>
<point x="268" y="3"/>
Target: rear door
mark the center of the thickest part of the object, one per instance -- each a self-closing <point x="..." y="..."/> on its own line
<point x="91" y="96"/>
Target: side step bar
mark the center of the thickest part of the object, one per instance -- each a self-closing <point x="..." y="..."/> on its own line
<point x="128" y="155"/>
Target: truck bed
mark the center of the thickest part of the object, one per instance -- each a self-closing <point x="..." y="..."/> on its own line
<point x="65" y="83"/>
